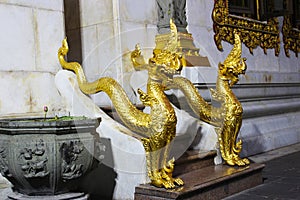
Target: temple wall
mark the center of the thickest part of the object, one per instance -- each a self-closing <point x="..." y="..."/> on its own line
<point x="109" y="36"/>
<point x="269" y="91"/>
<point x="109" y="31"/>
<point x="31" y="33"/>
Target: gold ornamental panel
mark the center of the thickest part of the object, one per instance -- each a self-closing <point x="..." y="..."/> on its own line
<point x="253" y="33"/>
<point x="291" y="37"/>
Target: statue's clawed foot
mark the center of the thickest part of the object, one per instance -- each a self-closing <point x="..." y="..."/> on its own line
<point x="242" y="161"/>
<point x="230" y="161"/>
<point x="159" y="181"/>
<point x="172" y="181"/>
<point x="178" y="181"/>
<point x="236" y="160"/>
<point x="164" y="178"/>
<point x="168" y="184"/>
<point x="167" y="174"/>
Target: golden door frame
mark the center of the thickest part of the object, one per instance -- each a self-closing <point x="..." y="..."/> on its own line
<point x="253" y="33"/>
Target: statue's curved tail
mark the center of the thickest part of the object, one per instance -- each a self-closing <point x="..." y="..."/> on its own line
<point x="137" y="120"/>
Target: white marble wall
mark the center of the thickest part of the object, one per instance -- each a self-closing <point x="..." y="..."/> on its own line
<point x="31" y="33"/>
<point x="110" y="30"/>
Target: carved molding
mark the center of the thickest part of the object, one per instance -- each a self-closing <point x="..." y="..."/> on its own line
<point x="291" y="37"/>
<point x="253" y="33"/>
<point x="4" y="159"/>
<point x="33" y="159"/>
<point x="70" y="151"/>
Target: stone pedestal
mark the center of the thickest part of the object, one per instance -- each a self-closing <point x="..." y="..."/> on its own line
<point x="185" y="46"/>
<point x="203" y="179"/>
<point x="212" y="182"/>
<point x="176" y="10"/>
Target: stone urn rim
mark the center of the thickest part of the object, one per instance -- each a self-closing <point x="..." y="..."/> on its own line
<point x="59" y="125"/>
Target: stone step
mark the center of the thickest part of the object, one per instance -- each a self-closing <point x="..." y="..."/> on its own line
<point x="192" y="160"/>
<point x="212" y="182"/>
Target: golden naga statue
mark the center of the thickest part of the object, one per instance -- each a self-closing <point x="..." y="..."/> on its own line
<point x="227" y="118"/>
<point x="158" y="127"/>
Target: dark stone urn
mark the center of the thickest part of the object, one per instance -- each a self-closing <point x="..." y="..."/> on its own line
<point x="47" y="159"/>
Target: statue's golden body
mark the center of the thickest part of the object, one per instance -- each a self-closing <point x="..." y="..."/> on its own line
<point x="158" y="127"/>
<point x="227" y="118"/>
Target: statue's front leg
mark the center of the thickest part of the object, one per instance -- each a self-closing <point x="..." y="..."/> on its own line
<point x="229" y="146"/>
<point x="147" y="147"/>
<point x="237" y="146"/>
<point x="152" y="161"/>
<point x="154" y="168"/>
<point x="168" y="166"/>
<point x="167" y="174"/>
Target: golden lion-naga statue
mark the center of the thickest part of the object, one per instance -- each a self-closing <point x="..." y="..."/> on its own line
<point x="227" y="118"/>
<point x="158" y="127"/>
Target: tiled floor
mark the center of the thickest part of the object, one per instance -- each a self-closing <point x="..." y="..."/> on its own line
<point x="281" y="180"/>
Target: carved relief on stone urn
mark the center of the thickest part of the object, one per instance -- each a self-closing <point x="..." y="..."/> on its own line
<point x="47" y="157"/>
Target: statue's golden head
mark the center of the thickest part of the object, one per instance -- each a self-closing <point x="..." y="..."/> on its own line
<point x="232" y="72"/>
<point x="166" y="64"/>
<point x="234" y="65"/>
<point x="64" y="49"/>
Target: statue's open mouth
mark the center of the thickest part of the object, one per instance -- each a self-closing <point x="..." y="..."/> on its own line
<point x="169" y="73"/>
<point x="236" y="74"/>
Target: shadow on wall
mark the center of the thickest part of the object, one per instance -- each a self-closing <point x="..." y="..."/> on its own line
<point x="100" y="183"/>
<point x="254" y="141"/>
